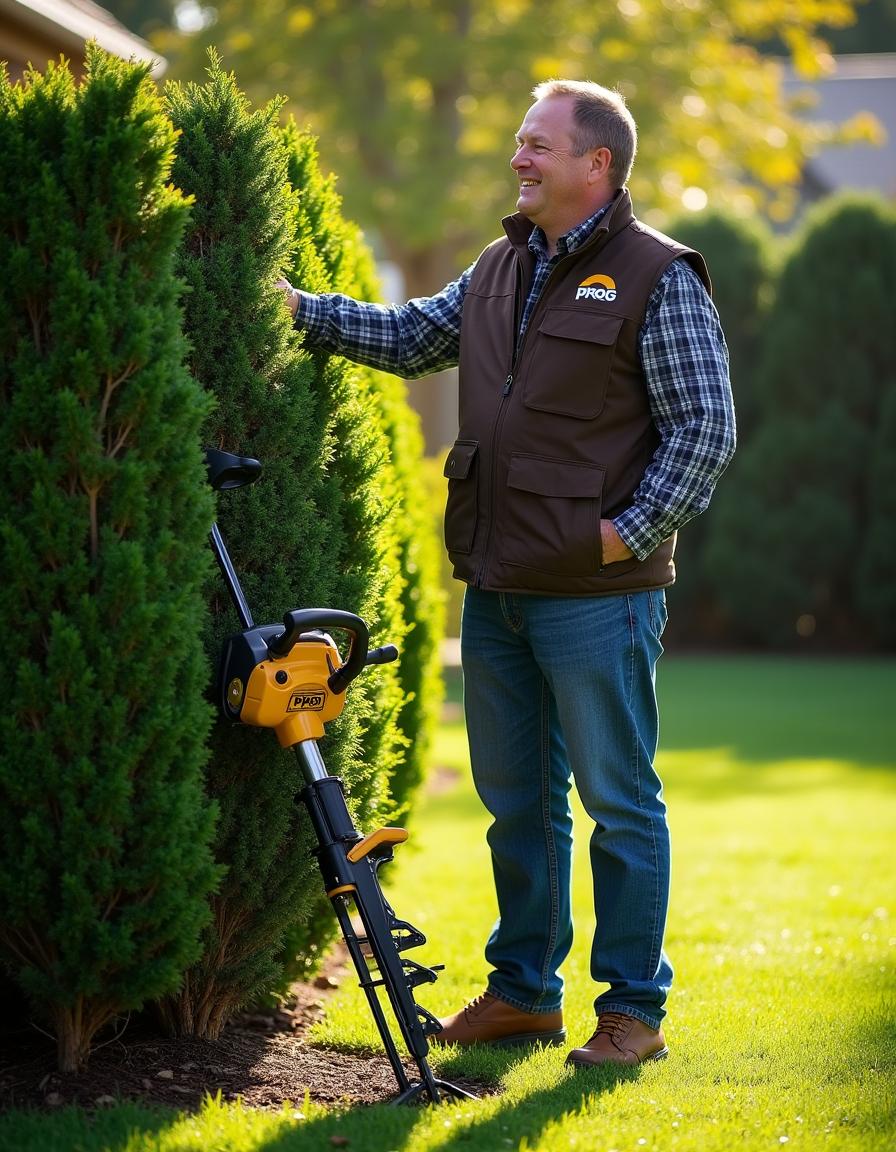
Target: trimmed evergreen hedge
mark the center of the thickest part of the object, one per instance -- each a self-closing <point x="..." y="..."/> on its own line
<point x="319" y="529"/>
<point x="104" y="830"/>
<point x="803" y="537"/>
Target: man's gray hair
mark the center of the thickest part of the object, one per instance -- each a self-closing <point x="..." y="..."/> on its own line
<point x="601" y="120"/>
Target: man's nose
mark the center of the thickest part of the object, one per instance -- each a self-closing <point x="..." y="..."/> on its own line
<point x="519" y="159"/>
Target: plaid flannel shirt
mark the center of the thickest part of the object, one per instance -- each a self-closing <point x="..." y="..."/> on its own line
<point x="683" y="355"/>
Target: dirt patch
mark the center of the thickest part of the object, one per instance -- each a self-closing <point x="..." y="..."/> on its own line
<point x="262" y="1059"/>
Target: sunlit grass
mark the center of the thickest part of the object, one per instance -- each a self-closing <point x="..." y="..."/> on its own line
<point x="781" y="782"/>
<point x="781" y="928"/>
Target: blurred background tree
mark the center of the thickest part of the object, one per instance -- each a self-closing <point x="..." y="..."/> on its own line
<point x="416" y="105"/>
<point x="145" y="16"/>
<point x="802" y="540"/>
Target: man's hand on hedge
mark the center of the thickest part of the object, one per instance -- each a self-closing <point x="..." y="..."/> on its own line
<point x="291" y="294"/>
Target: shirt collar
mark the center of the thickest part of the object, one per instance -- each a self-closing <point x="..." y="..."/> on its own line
<point x="573" y="239"/>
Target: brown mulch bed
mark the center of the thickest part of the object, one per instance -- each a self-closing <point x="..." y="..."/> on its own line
<point x="261" y="1059"/>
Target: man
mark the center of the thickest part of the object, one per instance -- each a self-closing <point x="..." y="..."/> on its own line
<point x="595" y="419"/>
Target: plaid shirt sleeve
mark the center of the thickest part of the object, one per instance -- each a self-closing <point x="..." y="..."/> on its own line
<point x="411" y="340"/>
<point x="685" y="362"/>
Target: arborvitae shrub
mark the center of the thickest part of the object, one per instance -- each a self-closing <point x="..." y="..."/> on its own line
<point x="423" y="601"/>
<point x="370" y="573"/>
<point x="104" y="830"/>
<point x="312" y="532"/>
<point x="805" y="522"/>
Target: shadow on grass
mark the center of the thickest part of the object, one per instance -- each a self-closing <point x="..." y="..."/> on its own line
<point x="769" y="708"/>
<point x="518" y="1120"/>
<point x="506" y="1121"/>
<point x="763" y="708"/>
<point x="112" y="1130"/>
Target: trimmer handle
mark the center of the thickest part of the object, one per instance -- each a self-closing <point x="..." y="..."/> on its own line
<point x="322" y="619"/>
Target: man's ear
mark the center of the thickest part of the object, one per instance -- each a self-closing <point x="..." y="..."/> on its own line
<point x="601" y="163"/>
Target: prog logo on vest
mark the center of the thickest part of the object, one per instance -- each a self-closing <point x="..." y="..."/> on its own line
<point x="597" y="288"/>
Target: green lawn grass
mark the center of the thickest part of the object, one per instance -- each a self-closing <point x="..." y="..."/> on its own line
<point x="781" y="782"/>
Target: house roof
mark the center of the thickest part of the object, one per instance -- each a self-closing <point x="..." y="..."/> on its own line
<point x="860" y="83"/>
<point x="70" y="23"/>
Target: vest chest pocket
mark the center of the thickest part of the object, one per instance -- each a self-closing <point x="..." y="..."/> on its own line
<point x="462" y="471"/>
<point x="570" y="366"/>
<point x="551" y="518"/>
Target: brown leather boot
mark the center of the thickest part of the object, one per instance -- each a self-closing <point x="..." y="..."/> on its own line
<point x="488" y="1020"/>
<point x="620" y="1039"/>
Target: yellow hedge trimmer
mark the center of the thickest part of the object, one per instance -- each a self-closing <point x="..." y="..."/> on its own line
<point x="292" y="678"/>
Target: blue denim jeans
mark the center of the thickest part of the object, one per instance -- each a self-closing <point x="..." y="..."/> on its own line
<point x="556" y="690"/>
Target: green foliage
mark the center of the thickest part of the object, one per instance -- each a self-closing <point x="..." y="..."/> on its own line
<point x="433" y="488"/>
<point x="143" y="16"/>
<point x="380" y="570"/>
<point x="318" y="529"/>
<point x="230" y="160"/>
<point x="806" y="525"/>
<point x="416" y="105"/>
<point x="422" y="599"/>
<point x="104" y="858"/>
<point x="876" y="569"/>
<point x="874" y="29"/>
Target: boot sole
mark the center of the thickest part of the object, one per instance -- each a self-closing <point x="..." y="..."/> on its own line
<point x="527" y="1039"/>
<point x="520" y="1040"/>
<point x="573" y="1063"/>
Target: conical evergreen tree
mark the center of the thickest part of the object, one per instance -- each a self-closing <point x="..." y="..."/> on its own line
<point x="387" y="561"/>
<point x="804" y="521"/>
<point x="104" y="830"/>
<point x="314" y="531"/>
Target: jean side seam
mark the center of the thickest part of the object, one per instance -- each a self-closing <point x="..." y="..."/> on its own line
<point x="657" y="947"/>
<point x="634" y="763"/>
<point x="656" y="942"/>
<point x="550" y="843"/>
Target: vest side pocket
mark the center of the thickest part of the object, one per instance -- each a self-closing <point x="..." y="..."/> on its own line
<point x="462" y="471"/>
<point x="550" y="521"/>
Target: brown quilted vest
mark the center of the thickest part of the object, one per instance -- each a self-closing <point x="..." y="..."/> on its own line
<point x="551" y="443"/>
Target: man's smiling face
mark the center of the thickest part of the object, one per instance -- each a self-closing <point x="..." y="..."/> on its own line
<point x="557" y="188"/>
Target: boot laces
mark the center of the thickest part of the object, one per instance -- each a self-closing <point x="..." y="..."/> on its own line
<point x="478" y="1003"/>
<point x="614" y="1024"/>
